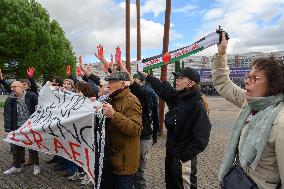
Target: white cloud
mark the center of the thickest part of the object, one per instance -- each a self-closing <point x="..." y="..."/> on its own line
<point x="213" y="13"/>
<point x="185" y="9"/>
<point x="154" y="6"/>
<point x="88" y="23"/>
<point x="252" y="25"/>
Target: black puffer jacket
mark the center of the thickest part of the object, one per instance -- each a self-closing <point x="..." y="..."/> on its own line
<point x="187" y="122"/>
<point x="10" y="110"/>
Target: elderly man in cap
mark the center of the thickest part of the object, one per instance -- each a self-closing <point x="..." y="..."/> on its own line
<point x="19" y="106"/>
<point x="123" y="129"/>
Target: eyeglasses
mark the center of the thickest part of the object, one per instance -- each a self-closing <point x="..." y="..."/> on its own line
<point x="252" y="78"/>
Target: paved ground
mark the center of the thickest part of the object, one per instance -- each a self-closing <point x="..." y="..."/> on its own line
<point x="222" y="116"/>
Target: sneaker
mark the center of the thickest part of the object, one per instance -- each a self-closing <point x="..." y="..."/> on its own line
<point x="36" y="170"/>
<point x="13" y="170"/>
<point x="76" y="176"/>
<point x="86" y="180"/>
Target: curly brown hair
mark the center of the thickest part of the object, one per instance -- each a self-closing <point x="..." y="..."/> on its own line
<point x="85" y="88"/>
<point x="274" y="71"/>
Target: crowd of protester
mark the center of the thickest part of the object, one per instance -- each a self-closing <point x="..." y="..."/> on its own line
<point x="130" y="105"/>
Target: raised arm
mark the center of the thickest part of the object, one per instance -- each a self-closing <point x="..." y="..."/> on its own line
<point x="30" y="73"/>
<point x="3" y="82"/>
<point x="220" y="77"/>
<point x="162" y="88"/>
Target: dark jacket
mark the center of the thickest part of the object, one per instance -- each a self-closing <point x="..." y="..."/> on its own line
<point x="142" y="96"/>
<point x="187" y="122"/>
<point x="6" y="86"/>
<point x="94" y="79"/>
<point x="155" y="121"/>
<point x="10" y="110"/>
<point x="73" y="78"/>
<point x="33" y="86"/>
<point x="123" y="133"/>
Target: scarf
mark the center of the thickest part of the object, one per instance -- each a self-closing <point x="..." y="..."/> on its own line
<point x="256" y="135"/>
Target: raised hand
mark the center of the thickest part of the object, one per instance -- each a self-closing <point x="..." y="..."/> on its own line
<point x="81" y="62"/>
<point x="30" y="72"/>
<point x="105" y="67"/>
<point x="144" y="74"/>
<point x="117" y="55"/>
<point x="88" y="70"/>
<point x="68" y="70"/>
<point x="79" y="71"/>
<point x="100" y="52"/>
<point x="222" y="47"/>
<point x="122" y="67"/>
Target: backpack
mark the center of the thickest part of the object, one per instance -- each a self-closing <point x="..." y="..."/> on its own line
<point x="151" y="99"/>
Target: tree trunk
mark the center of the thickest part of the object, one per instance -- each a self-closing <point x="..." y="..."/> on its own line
<point x="138" y="30"/>
<point x="128" y="66"/>
<point x="164" y="68"/>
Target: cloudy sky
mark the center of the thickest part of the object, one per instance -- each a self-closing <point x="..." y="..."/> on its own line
<point x="253" y="25"/>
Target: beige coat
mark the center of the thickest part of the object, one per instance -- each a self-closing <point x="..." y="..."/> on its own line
<point x="270" y="168"/>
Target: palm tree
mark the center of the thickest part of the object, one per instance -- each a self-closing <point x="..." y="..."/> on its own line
<point x="164" y="68"/>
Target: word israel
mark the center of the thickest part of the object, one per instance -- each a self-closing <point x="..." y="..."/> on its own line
<point x="205" y="42"/>
<point x="63" y="125"/>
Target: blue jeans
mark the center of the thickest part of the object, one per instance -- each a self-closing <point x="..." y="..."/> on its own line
<point x="123" y="182"/>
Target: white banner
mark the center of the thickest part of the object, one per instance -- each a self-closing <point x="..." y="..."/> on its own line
<point x="63" y="125"/>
